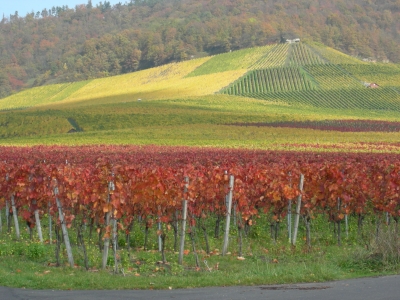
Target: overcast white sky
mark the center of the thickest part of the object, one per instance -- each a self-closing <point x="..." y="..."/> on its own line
<point x="23" y="7"/>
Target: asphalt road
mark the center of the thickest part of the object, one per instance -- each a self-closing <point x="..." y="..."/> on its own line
<point x="377" y="288"/>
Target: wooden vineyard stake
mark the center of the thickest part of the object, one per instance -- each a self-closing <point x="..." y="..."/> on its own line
<point x="183" y="227"/>
<point x="163" y="235"/>
<point x="50" y="226"/>
<point x="8" y="217"/>
<point x="114" y="244"/>
<point x="339" y="221"/>
<point x="128" y="238"/>
<point x="15" y="215"/>
<point x="14" y="210"/>
<point x="58" y="244"/>
<point x="234" y="214"/>
<point x="82" y="242"/>
<point x="289" y="221"/>
<point x="38" y="226"/>
<point x="289" y="215"/>
<point x="240" y="236"/>
<point x="228" y="215"/>
<point x="192" y="232"/>
<point x="106" y="245"/>
<point x="298" y="206"/>
<point x="160" y="245"/>
<point x="64" y="230"/>
<point x="174" y="225"/>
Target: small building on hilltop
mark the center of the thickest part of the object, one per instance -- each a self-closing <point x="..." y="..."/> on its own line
<point x="373" y="86"/>
<point x="289" y="38"/>
<point x="292" y="41"/>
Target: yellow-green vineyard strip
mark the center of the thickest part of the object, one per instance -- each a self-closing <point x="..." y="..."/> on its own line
<point x="332" y="77"/>
<point x="270" y="81"/>
<point x="382" y="99"/>
<point x="236" y="60"/>
<point x="382" y="74"/>
<point x="274" y="58"/>
<point x="334" y="56"/>
<point x="302" y="55"/>
<point x="40" y="95"/>
<point x="134" y="83"/>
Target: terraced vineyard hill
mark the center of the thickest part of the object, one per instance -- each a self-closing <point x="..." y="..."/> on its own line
<point x="320" y="77"/>
<point x="299" y="73"/>
<point x="274" y="83"/>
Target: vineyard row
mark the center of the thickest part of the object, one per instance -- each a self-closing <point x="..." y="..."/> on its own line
<point x="112" y="185"/>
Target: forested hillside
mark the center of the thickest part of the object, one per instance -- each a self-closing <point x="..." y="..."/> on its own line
<point x="62" y="44"/>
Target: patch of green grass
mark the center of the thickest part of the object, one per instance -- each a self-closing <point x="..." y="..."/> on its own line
<point x="21" y="123"/>
<point x="276" y="267"/>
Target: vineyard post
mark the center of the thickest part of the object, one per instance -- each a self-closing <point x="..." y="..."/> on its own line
<point x="240" y="236"/>
<point x="14" y="209"/>
<point x="289" y="216"/>
<point x="14" y="214"/>
<point x="204" y="228"/>
<point x="114" y="242"/>
<point x="64" y="229"/>
<point x="183" y="229"/>
<point x="82" y="242"/>
<point x="234" y="214"/>
<point x="339" y="233"/>
<point x="360" y="225"/>
<point x="228" y="215"/>
<point x="174" y="224"/>
<point x="378" y="224"/>
<point x="128" y="238"/>
<point x="50" y="224"/>
<point x="298" y="206"/>
<point x="38" y="226"/>
<point x="191" y="234"/>
<point x="58" y="244"/>
<point x="159" y="236"/>
<point x="106" y="244"/>
<point x="289" y="220"/>
<point x="8" y="216"/>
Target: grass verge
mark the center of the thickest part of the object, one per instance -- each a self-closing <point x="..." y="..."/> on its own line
<point x="29" y="264"/>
